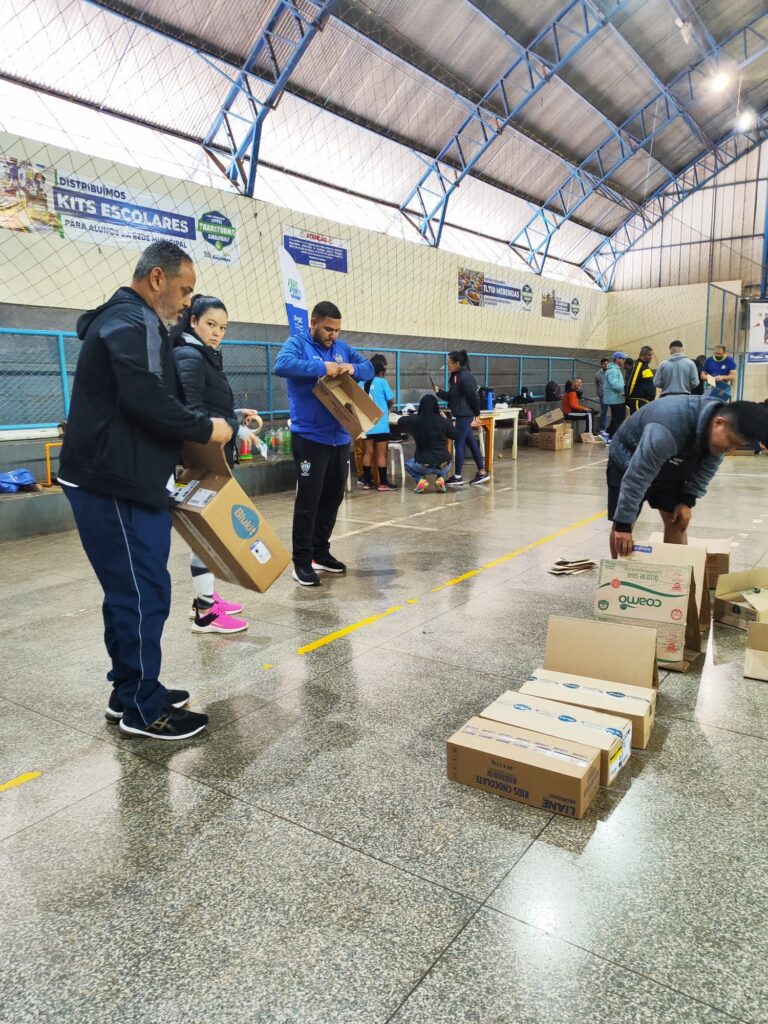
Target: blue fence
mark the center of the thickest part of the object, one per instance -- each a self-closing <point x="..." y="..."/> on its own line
<point x="37" y="367"/>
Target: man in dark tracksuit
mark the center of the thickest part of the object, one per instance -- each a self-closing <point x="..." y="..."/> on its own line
<point x="666" y="454"/>
<point x="320" y="444"/>
<point x="124" y="431"/>
<point x="640" y="387"/>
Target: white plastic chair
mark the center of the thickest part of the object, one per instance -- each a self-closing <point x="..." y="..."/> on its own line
<point x="396" y="454"/>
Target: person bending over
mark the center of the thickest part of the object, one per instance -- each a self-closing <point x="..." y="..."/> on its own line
<point x="666" y="454"/>
<point x="429" y="429"/>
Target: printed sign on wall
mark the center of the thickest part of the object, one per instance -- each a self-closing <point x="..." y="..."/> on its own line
<point x="556" y="308"/>
<point x="757" y="351"/>
<point x="477" y="289"/>
<point x="312" y="249"/>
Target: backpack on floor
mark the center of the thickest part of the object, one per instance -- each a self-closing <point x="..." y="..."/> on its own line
<point x="16" y="480"/>
<point x="552" y="392"/>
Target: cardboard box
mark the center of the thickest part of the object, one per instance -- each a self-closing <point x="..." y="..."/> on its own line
<point x="683" y="554"/>
<point x="348" y="403"/>
<point x="221" y="524"/>
<point x="534" y="769"/>
<point x="548" y="418"/>
<point x="756" y="659"/>
<point x="635" y="703"/>
<point x="742" y="597"/>
<point x="557" y="438"/>
<point x="611" y="736"/>
<point x="534" y="440"/>
<point x="657" y="595"/>
<point x="718" y="554"/>
<point x="623" y="653"/>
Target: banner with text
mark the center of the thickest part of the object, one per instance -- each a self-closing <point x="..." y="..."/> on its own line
<point x="311" y="249"/>
<point x="757" y="349"/>
<point x="477" y="289"/>
<point x="556" y="308"/>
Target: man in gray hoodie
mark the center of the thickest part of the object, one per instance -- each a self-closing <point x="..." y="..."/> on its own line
<point x="678" y="374"/>
<point x="666" y="454"/>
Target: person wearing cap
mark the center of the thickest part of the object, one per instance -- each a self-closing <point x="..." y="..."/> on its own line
<point x="677" y="375"/>
<point x="640" y="387"/>
<point x="613" y="393"/>
<point x="667" y="454"/>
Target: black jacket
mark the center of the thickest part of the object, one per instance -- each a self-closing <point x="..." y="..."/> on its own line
<point x="640" y="385"/>
<point x="429" y="430"/>
<point x="126" y="420"/>
<point x="205" y="385"/>
<point x="462" y="396"/>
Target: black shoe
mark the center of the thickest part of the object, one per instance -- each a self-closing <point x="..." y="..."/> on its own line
<point x="327" y="563"/>
<point x="455" y="481"/>
<point x="171" y="725"/>
<point x="176" y="698"/>
<point x="480" y="478"/>
<point x="306" y="576"/>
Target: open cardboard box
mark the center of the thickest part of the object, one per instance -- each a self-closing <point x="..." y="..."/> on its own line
<point x="619" y="652"/>
<point x="653" y="594"/>
<point x="756" y="659"/>
<point x="348" y="403"/>
<point x="742" y="597"/>
<point x="559" y="776"/>
<point x="221" y="524"/>
<point x="718" y="554"/>
<point x="556" y="438"/>
<point x="683" y="554"/>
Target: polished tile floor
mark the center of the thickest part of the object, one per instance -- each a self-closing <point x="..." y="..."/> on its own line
<point x="307" y="862"/>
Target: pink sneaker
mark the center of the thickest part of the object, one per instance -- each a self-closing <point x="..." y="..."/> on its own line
<point x="228" y="607"/>
<point x="217" y="621"/>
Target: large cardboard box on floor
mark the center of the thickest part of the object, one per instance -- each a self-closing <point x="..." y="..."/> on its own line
<point x="756" y="658"/>
<point x="534" y="769"/>
<point x="623" y="653"/>
<point x="348" y="403"/>
<point x="221" y="524"/>
<point x="657" y="595"/>
<point x="612" y="736"/>
<point x="718" y="554"/>
<point x="742" y="597"/>
<point x="683" y="554"/>
<point x="557" y="438"/>
<point x="637" y="704"/>
<point x="548" y="418"/>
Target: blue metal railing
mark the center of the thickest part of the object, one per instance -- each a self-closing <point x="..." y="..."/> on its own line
<point x="37" y="368"/>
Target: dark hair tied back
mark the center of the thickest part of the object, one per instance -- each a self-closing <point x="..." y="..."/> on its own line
<point x="199" y="305"/>
<point x="460" y="356"/>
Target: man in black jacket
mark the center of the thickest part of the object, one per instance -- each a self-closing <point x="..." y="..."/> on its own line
<point x="125" y="427"/>
<point x="640" y="387"/>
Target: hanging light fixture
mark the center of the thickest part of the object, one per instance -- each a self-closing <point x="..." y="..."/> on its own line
<point x="720" y="81"/>
<point x="746" y="119"/>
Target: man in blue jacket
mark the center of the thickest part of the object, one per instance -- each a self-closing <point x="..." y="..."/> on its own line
<point x="320" y="444"/>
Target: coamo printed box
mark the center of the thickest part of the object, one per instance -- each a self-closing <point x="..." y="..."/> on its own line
<point x="612" y="736"/>
<point x="556" y="775"/>
<point x="651" y="594"/>
<point x="635" y="703"/>
<point x="217" y="519"/>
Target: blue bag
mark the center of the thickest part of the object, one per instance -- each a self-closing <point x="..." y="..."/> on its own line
<point x="15" y="480"/>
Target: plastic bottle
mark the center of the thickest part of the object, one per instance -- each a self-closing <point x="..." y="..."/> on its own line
<point x="274" y="444"/>
<point x="287" y="442"/>
<point x="244" y="453"/>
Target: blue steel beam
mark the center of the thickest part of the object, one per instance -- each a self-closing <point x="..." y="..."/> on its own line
<point x="552" y="48"/>
<point x="275" y="55"/>
<point x="532" y="242"/>
<point x="601" y="264"/>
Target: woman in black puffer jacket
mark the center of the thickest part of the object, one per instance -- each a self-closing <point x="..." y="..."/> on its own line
<point x="197" y="339"/>
<point x="464" y="402"/>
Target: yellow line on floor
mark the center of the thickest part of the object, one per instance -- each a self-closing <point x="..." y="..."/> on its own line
<point x="19" y="780"/>
<point x="519" y="551"/>
<point x="323" y="640"/>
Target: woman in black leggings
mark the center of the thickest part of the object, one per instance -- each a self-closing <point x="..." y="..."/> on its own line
<point x="464" y="403"/>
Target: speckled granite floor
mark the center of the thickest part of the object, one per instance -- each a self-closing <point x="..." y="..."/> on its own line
<point x="307" y="862"/>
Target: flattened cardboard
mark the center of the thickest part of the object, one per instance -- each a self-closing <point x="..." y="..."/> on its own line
<point x="635" y="703"/>
<point x="657" y="595"/>
<point x="621" y="652"/>
<point x="756" y="657"/>
<point x="534" y="769"/>
<point x="742" y="597"/>
<point x="683" y="554"/>
<point x="348" y="403"/>
<point x="548" y="418"/>
<point x="718" y="554"/>
<point x="221" y="524"/>
<point x="612" y="736"/>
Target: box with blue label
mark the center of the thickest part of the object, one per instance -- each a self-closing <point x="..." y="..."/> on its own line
<point x="612" y="736"/>
<point x="221" y="524"/>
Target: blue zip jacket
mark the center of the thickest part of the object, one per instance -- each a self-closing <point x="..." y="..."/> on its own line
<point x="613" y="385"/>
<point x="301" y="361"/>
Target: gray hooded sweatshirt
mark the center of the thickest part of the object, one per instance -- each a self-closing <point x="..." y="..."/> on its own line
<point x="677" y="375"/>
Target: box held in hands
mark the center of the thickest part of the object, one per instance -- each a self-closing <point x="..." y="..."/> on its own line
<point x="560" y="776"/>
<point x="348" y="403"/>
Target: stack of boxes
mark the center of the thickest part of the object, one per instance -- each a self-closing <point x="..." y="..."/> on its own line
<point x="553" y="434"/>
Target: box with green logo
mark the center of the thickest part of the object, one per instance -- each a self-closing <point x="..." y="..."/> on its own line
<point x="221" y="524"/>
<point x="652" y="594"/>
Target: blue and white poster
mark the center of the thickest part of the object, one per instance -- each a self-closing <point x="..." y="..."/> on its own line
<point x="474" y="288"/>
<point x="294" y="295"/>
<point x="313" y="249"/>
<point x="757" y="350"/>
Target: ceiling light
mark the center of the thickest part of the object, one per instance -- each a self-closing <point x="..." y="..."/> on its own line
<point x="720" y="81"/>
<point x="745" y="120"/>
<point x="685" y="29"/>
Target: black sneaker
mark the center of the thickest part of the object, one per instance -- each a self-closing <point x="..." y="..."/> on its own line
<point x="327" y="563"/>
<point x="480" y="478"/>
<point x="455" y="481"/>
<point x="176" y="698"/>
<point x="171" y="725"/>
<point x="306" y="576"/>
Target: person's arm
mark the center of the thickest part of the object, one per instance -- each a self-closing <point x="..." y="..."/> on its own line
<point x="449" y="430"/>
<point x="693" y="375"/>
<point x="696" y="486"/>
<point x="657" y="445"/>
<point x="658" y="377"/>
<point x="291" y="362"/>
<point x="358" y="366"/>
<point x="442" y="394"/>
<point x="141" y="392"/>
<point x="731" y="375"/>
<point x="469" y="387"/>
<point x="389" y="395"/>
<point x="189" y="362"/>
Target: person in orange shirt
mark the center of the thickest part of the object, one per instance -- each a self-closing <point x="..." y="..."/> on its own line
<point x="573" y="409"/>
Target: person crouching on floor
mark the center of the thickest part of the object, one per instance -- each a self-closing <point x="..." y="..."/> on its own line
<point x="429" y="429"/>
